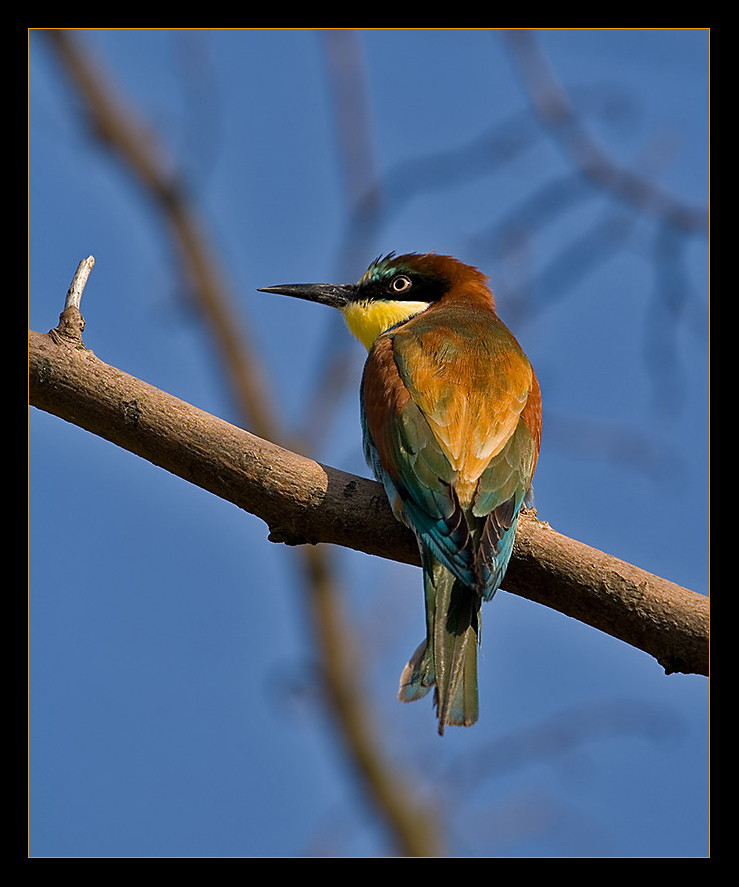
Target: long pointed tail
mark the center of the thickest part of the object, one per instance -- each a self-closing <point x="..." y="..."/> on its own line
<point x="447" y="659"/>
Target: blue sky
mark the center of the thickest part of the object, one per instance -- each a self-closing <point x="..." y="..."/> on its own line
<point x="173" y="710"/>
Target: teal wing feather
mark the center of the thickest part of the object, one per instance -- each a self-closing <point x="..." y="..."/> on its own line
<point x="504" y="487"/>
<point x="423" y="482"/>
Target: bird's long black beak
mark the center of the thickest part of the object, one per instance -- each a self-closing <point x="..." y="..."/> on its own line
<point x="335" y="295"/>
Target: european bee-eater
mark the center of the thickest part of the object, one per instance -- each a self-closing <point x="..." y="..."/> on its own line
<point x="451" y="418"/>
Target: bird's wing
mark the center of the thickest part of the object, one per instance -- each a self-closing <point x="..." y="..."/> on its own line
<point x="408" y="460"/>
<point x="442" y="405"/>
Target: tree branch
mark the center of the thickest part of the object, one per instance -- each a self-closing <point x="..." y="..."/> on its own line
<point x="302" y="501"/>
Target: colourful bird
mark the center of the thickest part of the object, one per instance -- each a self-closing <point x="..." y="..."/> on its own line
<point x="451" y="419"/>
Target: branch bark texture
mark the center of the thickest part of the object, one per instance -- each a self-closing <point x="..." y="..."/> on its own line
<point x="302" y="501"/>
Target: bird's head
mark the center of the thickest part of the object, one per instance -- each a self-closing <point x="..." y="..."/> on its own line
<point x="393" y="289"/>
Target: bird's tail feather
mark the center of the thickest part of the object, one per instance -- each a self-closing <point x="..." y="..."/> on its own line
<point x="447" y="659"/>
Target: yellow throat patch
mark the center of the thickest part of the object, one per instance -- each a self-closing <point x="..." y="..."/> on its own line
<point x="368" y="320"/>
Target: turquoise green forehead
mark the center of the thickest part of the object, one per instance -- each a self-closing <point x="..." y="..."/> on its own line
<point x="381" y="269"/>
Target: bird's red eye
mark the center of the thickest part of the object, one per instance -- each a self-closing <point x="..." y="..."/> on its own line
<point x="401" y="283"/>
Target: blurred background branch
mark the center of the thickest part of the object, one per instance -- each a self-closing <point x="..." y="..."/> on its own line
<point x="411" y="828"/>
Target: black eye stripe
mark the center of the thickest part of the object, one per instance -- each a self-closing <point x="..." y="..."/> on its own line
<point x="418" y="288"/>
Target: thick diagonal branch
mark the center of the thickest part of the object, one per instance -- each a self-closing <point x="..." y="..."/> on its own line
<point x="304" y="502"/>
